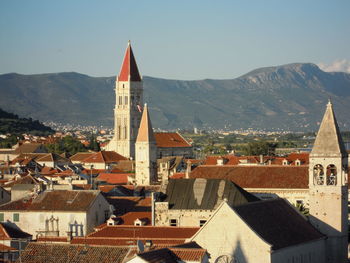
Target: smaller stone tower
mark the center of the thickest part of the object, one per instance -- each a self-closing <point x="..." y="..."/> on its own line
<point x="145" y="152"/>
<point x="328" y="188"/>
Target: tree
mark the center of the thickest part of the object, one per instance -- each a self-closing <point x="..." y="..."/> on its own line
<point x="93" y="144"/>
<point x="260" y="147"/>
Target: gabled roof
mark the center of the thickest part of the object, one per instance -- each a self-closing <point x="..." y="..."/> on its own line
<point x="104" y="157"/>
<point x="28" y="148"/>
<point x="265" y="176"/>
<point x="59" y="200"/>
<point x="173" y="254"/>
<point x="276" y="222"/>
<point x="328" y="140"/>
<point x="170" y="139"/>
<point x="8" y="232"/>
<point x="129" y="67"/>
<point x="205" y="194"/>
<point x="79" y="157"/>
<point x="145" y="133"/>
<point x="114" y="178"/>
<point x="4" y="248"/>
<point x="145" y="232"/>
<point x="52" y="157"/>
<point x="130" y="217"/>
<point x="37" y="252"/>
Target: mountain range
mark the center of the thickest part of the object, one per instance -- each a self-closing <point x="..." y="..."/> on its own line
<point x="288" y="97"/>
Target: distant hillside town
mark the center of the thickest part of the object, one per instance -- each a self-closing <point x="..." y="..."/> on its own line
<point x="137" y="194"/>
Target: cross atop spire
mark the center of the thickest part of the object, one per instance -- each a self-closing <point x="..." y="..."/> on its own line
<point x="129" y="67"/>
<point x="328" y="141"/>
<point x="145" y="133"/>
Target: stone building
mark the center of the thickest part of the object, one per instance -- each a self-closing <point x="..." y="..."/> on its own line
<point x="191" y="202"/>
<point x="265" y="232"/>
<point x="172" y="144"/>
<point x="328" y="188"/>
<point x="57" y="213"/>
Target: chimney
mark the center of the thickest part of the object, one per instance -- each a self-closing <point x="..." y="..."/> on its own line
<point x="188" y="169"/>
<point x="261" y="159"/>
<point x="220" y="161"/>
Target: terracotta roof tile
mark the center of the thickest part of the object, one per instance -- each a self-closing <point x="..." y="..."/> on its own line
<point x="37" y="252"/>
<point x="272" y="176"/>
<point x="170" y="139"/>
<point x="59" y="200"/>
<point x="146" y="232"/>
<point x="79" y="157"/>
<point x="130" y="217"/>
<point x="4" y="248"/>
<point x="174" y="254"/>
<point x="114" y="178"/>
<point x="27" y="148"/>
<point x="130" y="204"/>
<point x="104" y="157"/>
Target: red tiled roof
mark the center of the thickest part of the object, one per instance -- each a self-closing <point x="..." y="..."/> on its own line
<point x="59" y="200"/>
<point x="146" y="232"/>
<point x="173" y="254"/>
<point x="129" y="67"/>
<point x="178" y="175"/>
<point x="125" y="204"/>
<point x="104" y="157"/>
<point x="111" y="241"/>
<point x="52" y="239"/>
<point x="130" y="217"/>
<point x="4" y="248"/>
<point x="37" y="252"/>
<point x="272" y="176"/>
<point x="114" y="178"/>
<point x="79" y="157"/>
<point x="170" y="139"/>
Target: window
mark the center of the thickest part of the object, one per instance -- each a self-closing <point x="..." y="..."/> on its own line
<point x="331" y="174"/>
<point x="120" y="100"/>
<point x="173" y="222"/>
<point x="1" y="217"/>
<point x="126" y="100"/>
<point x="202" y="222"/>
<point x="106" y="214"/>
<point x="318" y="174"/>
<point x="15" y="217"/>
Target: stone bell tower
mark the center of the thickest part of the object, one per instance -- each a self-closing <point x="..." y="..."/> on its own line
<point x="127" y="111"/>
<point x="146" y="152"/>
<point x="328" y="187"/>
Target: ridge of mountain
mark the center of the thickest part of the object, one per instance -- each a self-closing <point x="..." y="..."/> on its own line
<point x="290" y="97"/>
<point x="11" y="123"/>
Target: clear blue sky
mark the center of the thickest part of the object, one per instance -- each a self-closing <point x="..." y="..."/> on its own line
<point x="171" y="39"/>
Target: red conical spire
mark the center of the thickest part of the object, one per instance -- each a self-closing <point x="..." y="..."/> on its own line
<point x="129" y="67"/>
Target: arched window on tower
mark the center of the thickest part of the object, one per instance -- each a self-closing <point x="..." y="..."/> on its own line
<point x="318" y="174"/>
<point x="125" y="132"/>
<point x="119" y="132"/>
<point x="331" y="174"/>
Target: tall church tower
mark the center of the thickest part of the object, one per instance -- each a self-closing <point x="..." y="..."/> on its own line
<point x="146" y="152"/>
<point x="328" y="187"/>
<point x="127" y="111"/>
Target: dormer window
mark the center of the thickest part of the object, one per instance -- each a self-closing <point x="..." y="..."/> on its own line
<point x="297" y="162"/>
<point x="285" y="162"/>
